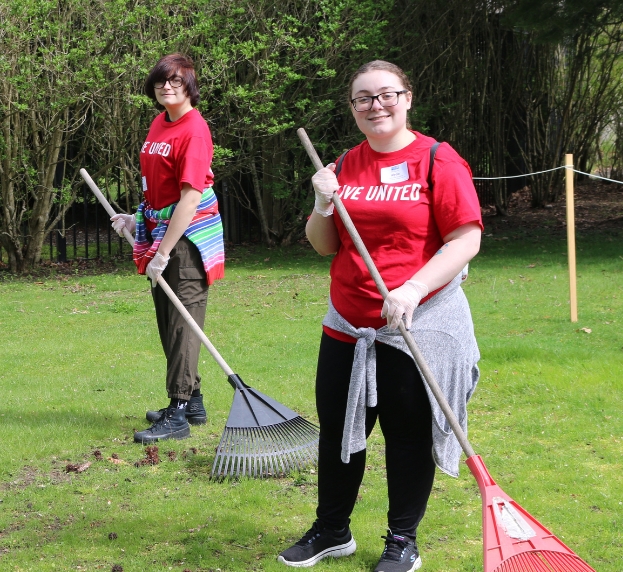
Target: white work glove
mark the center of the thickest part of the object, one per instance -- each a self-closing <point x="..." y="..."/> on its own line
<point x="325" y="184"/>
<point x="465" y="272"/>
<point x="403" y="300"/>
<point x="121" y="221"/>
<point x="156" y="267"/>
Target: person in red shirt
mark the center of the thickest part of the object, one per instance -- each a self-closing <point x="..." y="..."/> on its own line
<point x="179" y="236"/>
<point x="420" y="238"/>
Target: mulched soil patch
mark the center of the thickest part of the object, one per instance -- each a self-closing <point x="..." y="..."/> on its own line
<point x="598" y="208"/>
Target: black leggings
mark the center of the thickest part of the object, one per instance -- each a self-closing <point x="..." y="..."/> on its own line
<point x="404" y="414"/>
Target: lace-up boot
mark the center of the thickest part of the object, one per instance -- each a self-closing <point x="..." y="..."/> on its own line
<point x="195" y="412"/>
<point x="171" y="424"/>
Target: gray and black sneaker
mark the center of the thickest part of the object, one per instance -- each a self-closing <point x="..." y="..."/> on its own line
<point x="195" y="412"/>
<point x="400" y="555"/>
<point x="318" y="543"/>
<point x="171" y="424"/>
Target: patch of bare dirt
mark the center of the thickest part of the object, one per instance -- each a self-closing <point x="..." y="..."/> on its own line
<point x="598" y="207"/>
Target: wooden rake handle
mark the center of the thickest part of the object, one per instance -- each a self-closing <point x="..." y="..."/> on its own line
<point x="161" y="281"/>
<point x="429" y="378"/>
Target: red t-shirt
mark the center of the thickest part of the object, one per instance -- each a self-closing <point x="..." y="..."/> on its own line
<point x="175" y="153"/>
<point x="401" y="222"/>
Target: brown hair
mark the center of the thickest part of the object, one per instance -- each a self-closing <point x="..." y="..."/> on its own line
<point x="379" y="65"/>
<point x="171" y="65"/>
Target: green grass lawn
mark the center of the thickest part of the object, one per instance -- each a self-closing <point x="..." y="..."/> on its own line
<point x="81" y="363"/>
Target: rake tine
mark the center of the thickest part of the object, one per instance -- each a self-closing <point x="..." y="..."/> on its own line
<point x="279" y="437"/>
<point x="289" y="459"/>
<point x="298" y="453"/>
<point x="299" y="449"/>
<point x="218" y="459"/>
<point x="290" y="444"/>
<point x="250" y="444"/>
<point x="272" y="459"/>
<point x="307" y="453"/>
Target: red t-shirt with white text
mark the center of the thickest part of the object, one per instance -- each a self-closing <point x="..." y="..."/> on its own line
<point x="400" y="220"/>
<point x="175" y="153"/>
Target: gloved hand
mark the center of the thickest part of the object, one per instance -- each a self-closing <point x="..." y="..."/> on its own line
<point x="465" y="272"/>
<point x="121" y="221"/>
<point x="325" y="184"/>
<point x="403" y="300"/>
<point x="156" y="267"/>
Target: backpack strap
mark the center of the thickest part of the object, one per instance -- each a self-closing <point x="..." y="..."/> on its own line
<point x="340" y="160"/>
<point x="429" y="178"/>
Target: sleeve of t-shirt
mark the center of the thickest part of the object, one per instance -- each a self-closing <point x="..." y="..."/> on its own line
<point x="195" y="164"/>
<point x="455" y="201"/>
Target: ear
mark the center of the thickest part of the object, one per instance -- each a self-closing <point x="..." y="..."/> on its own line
<point x="408" y="98"/>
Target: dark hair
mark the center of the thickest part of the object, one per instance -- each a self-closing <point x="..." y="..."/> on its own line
<point x="171" y="65"/>
<point x="379" y="65"/>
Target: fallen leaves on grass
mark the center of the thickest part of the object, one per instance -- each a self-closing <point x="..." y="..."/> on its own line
<point x="585" y="330"/>
<point x="151" y="457"/>
<point x="77" y="467"/>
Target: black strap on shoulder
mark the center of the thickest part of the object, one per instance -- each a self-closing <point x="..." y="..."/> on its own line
<point x="340" y="160"/>
<point x="429" y="178"/>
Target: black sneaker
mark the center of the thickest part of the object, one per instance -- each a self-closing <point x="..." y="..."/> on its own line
<point x="316" y="544"/>
<point x="171" y="424"/>
<point x="400" y="555"/>
<point x="195" y="412"/>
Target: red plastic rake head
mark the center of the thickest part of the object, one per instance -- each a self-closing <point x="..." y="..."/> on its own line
<point x="513" y="540"/>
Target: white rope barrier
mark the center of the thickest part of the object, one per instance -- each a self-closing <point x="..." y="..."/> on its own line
<point x="516" y="176"/>
<point x="597" y="176"/>
<point x="548" y="171"/>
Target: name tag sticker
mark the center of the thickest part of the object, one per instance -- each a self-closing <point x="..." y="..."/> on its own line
<point x="395" y="173"/>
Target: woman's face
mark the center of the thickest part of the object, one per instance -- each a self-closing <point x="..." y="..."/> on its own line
<point x="380" y="122"/>
<point x="172" y="97"/>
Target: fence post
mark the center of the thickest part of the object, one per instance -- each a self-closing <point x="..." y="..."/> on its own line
<point x="573" y="295"/>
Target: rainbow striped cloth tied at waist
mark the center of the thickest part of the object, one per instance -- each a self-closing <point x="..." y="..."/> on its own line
<point x="205" y="232"/>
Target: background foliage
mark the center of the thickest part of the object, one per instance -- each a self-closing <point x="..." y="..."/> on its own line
<point x="512" y="84"/>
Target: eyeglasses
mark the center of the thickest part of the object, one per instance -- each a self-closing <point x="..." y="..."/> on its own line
<point x="174" y="81"/>
<point x="387" y="99"/>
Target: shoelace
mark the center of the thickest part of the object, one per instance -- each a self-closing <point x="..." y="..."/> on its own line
<point x="310" y="535"/>
<point x="394" y="548"/>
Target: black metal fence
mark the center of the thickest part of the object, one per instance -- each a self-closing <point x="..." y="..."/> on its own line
<point x="86" y="233"/>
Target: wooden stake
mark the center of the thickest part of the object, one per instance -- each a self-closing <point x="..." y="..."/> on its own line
<point x="573" y="295"/>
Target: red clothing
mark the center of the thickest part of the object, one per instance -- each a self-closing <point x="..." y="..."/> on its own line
<point x="402" y="223"/>
<point x="175" y="153"/>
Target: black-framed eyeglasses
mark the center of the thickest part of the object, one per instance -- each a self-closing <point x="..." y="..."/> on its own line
<point x="386" y="99"/>
<point x="174" y="81"/>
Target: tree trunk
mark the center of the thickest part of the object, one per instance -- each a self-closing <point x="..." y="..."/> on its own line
<point x="257" y="192"/>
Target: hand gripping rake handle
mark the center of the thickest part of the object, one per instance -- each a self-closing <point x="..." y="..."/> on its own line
<point x="233" y="379"/>
<point x="408" y="337"/>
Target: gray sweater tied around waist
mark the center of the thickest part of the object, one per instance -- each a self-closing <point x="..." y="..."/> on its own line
<point x="444" y="332"/>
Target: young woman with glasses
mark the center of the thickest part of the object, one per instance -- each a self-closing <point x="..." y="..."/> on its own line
<point x="420" y="237"/>
<point x="179" y="236"/>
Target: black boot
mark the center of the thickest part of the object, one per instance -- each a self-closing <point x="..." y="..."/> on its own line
<point x="195" y="412"/>
<point x="171" y="424"/>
